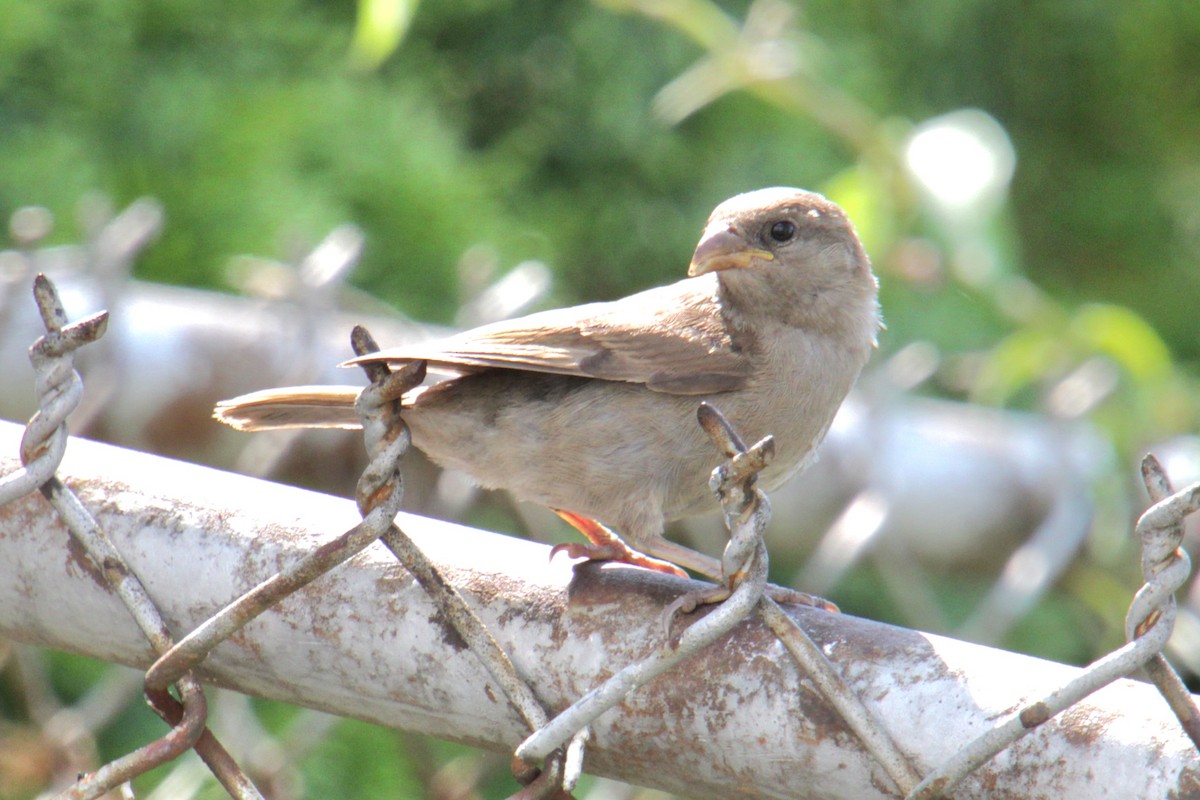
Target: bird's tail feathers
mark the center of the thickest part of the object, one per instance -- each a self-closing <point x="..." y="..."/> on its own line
<point x="291" y="407"/>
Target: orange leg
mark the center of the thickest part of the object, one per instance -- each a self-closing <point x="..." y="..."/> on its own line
<point x="604" y="545"/>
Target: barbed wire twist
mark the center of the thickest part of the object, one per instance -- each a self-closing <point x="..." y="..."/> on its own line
<point x="741" y="504"/>
<point x="747" y="512"/>
<point x="378" y="495"/>
<point x="43" y="444"/>
<point x="58" y="387"/>
<point x="746" y="580"/>
<point x="1148" y="627"/>
<point x="384" y="429"/>
<point x="1164" y="564"/>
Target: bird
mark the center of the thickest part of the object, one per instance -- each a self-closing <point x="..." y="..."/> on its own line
<point x="590" y="410"/>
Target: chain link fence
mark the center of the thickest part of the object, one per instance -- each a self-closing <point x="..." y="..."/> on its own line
<point x="200" y="578"/>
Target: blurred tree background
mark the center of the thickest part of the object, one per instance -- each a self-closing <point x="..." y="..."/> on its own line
<point x="596" y="137"/>
<point x="532" y="127"/>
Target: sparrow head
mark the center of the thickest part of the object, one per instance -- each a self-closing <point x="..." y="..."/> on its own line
<point x="793" y="256"/>
<point x="772" y="225"/>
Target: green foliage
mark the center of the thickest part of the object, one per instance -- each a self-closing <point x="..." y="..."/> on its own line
<point x="380" y="26"/>
<point x="527" y="126"/>
<point x="357" y="762"/>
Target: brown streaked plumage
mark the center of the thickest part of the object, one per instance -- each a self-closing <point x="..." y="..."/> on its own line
<point x="592" y="409"/>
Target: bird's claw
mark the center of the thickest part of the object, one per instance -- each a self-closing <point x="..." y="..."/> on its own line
<point x="781" y="594"/>
<point x="689" y="602"/>
<point x="615" y="552"/>
<point x="604" y="545"/>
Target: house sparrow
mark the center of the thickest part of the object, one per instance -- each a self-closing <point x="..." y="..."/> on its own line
<point x="591" y="410"/>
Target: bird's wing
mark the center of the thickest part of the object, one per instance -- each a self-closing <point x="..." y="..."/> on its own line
<point x="674" y="339"/>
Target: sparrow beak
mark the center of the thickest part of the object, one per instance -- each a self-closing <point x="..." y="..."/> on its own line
<point x="722" y="248"/>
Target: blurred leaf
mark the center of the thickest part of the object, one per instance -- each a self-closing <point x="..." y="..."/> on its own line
<point x="360" y="760"/>
<point x="701" y="21"/>
<point x="1022" y="358"/>
<point x="864" y="196"/>
<point x="1058" y="628"/>
<point x="379" y="28"/>
<point x="1124" y="336"/>
<point x="1106" y="596"/>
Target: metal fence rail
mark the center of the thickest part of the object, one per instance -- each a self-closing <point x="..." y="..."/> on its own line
<point x="365" y="641"/>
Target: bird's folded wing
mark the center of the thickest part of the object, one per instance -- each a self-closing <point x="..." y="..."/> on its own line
<point x="673" y="339"/>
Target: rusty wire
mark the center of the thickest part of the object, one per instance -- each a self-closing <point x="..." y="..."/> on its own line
<point x="196" y="645"/>
<point x="59" y="390"/>
<point x="68" y="731"/>
<point x="695" y="638"/>
<point x="378" y="497"/>
<point x="733" y="483"/>
<point x="746" y="511"/>
<point x="746" y="580"/>
<point x="383" y="425"/>
<point x="1148" y="626"/>
<point x="865" y="724"/>
<point x="1161" y="551"/>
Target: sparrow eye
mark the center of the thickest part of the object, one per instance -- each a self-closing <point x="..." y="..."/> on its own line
<point x="783" y="231"/>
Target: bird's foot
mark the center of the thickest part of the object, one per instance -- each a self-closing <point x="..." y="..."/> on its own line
<point x="689" y="602"/>
<point x="604" y="545"/>
<point x="782" y="594"/>
<point x="621" y="552"/>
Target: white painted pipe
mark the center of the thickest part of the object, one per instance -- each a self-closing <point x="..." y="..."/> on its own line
<point x="364" y="641"/>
